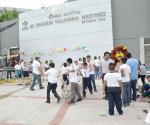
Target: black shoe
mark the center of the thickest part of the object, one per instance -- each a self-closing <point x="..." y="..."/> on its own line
<point x="27" y="84"/>
<point x="84" y="96"/>
<point x="111" y="114"/>
<point x="58" y="100"/>
<point x="32" y="89"/>
<point x="128" y="104"/>
<point x="71" y="102"/>
<point x="105" y="98"/>
<point x="134" y="100"/>
<point x="121" y="113"/>
<point x="95" y="90"/>
<point x="124" y="105"/>
<point x="79" y="100"/>
<point x="47" y="102"/>
<point x="41" y="87"/>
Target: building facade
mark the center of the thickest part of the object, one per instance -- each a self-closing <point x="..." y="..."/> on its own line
<point x="131" y="27"/>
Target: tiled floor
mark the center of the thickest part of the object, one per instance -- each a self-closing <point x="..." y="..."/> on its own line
<point x="27" y="107"/>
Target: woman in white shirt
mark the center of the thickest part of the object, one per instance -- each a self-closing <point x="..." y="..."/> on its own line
<point x="18" y="73"/>
<point x="125" y="72"/>
<point x="25" y="68"/>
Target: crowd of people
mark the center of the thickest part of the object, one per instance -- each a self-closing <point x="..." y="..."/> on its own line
<point x="119" y="81"/>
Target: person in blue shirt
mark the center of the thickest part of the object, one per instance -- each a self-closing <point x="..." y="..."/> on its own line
<point x="134" y="65"/>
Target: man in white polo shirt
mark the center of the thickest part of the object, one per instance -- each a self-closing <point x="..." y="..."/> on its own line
<point x="92" y="72"/>
<point x="36" y="74"/>
<point x="73" y="79"/>
<point x="52" y="76"/>
<point x="104" y="67"/>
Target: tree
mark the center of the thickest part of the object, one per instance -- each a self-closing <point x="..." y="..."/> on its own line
<point x="7" y="15"/>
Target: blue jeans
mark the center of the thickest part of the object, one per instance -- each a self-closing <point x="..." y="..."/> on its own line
<point x="92" y="77"/>
<point x="126" y="93"/>
<point x="133" y="92"/>
<point x="34" y="78"/>
<point x="97" y="72"/>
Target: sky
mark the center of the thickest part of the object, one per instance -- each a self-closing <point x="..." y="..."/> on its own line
<point x="29" y="4"/>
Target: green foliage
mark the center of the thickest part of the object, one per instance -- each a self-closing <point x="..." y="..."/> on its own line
<point x="7" y="15"/>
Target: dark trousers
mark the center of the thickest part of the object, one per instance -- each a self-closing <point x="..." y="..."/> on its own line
<point x="114" y="99"/>
<point x="65" y="78"/>
<point x="9" y="74"/>
<point x="133" y="91"/>
<point x="92" y="78"/>
<point x="143" y="79"/>
<point x="87" y="84"/>
<point x="34" y="78"/>
<point x="52" y="87"/>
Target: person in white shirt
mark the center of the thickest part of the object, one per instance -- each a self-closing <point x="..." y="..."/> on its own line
<point x="26" y="73"/>
<point x="52" y="76"/>
<point x="46" y="65"/>
<point x="143" y="73"/>
<point x="97" y="67"/>
<point x="104" y="67"/>
<point x="18" y="73"/>
<point x="92" y="71"/>
<point x="37" y="70"/>
<point x="114" y="88"/>
<point x="80" y="63"/>
<point x="125" y="72"/>
<point x="85" y="72"/>
<point x="64" y="72"/>
<point x="73" y="78"/>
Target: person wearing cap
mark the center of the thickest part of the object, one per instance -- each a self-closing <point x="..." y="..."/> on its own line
<point x="36" y="73"/>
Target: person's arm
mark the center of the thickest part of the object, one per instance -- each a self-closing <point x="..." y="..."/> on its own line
<point x="130" y="72"/>
<point x="90" y="67"/>
<point x="104" y="86"/>
<point x="46" y="73"/>
<point x="80" y="72"/>
<point x="40" y="68"/>
<point x="121" y="85"/>
<point x="58" y="75"/>
<point x="100" y="68"/>
<point x="122" y="72"/>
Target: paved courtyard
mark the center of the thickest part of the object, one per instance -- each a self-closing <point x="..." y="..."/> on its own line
<point x="20" y="106"/>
